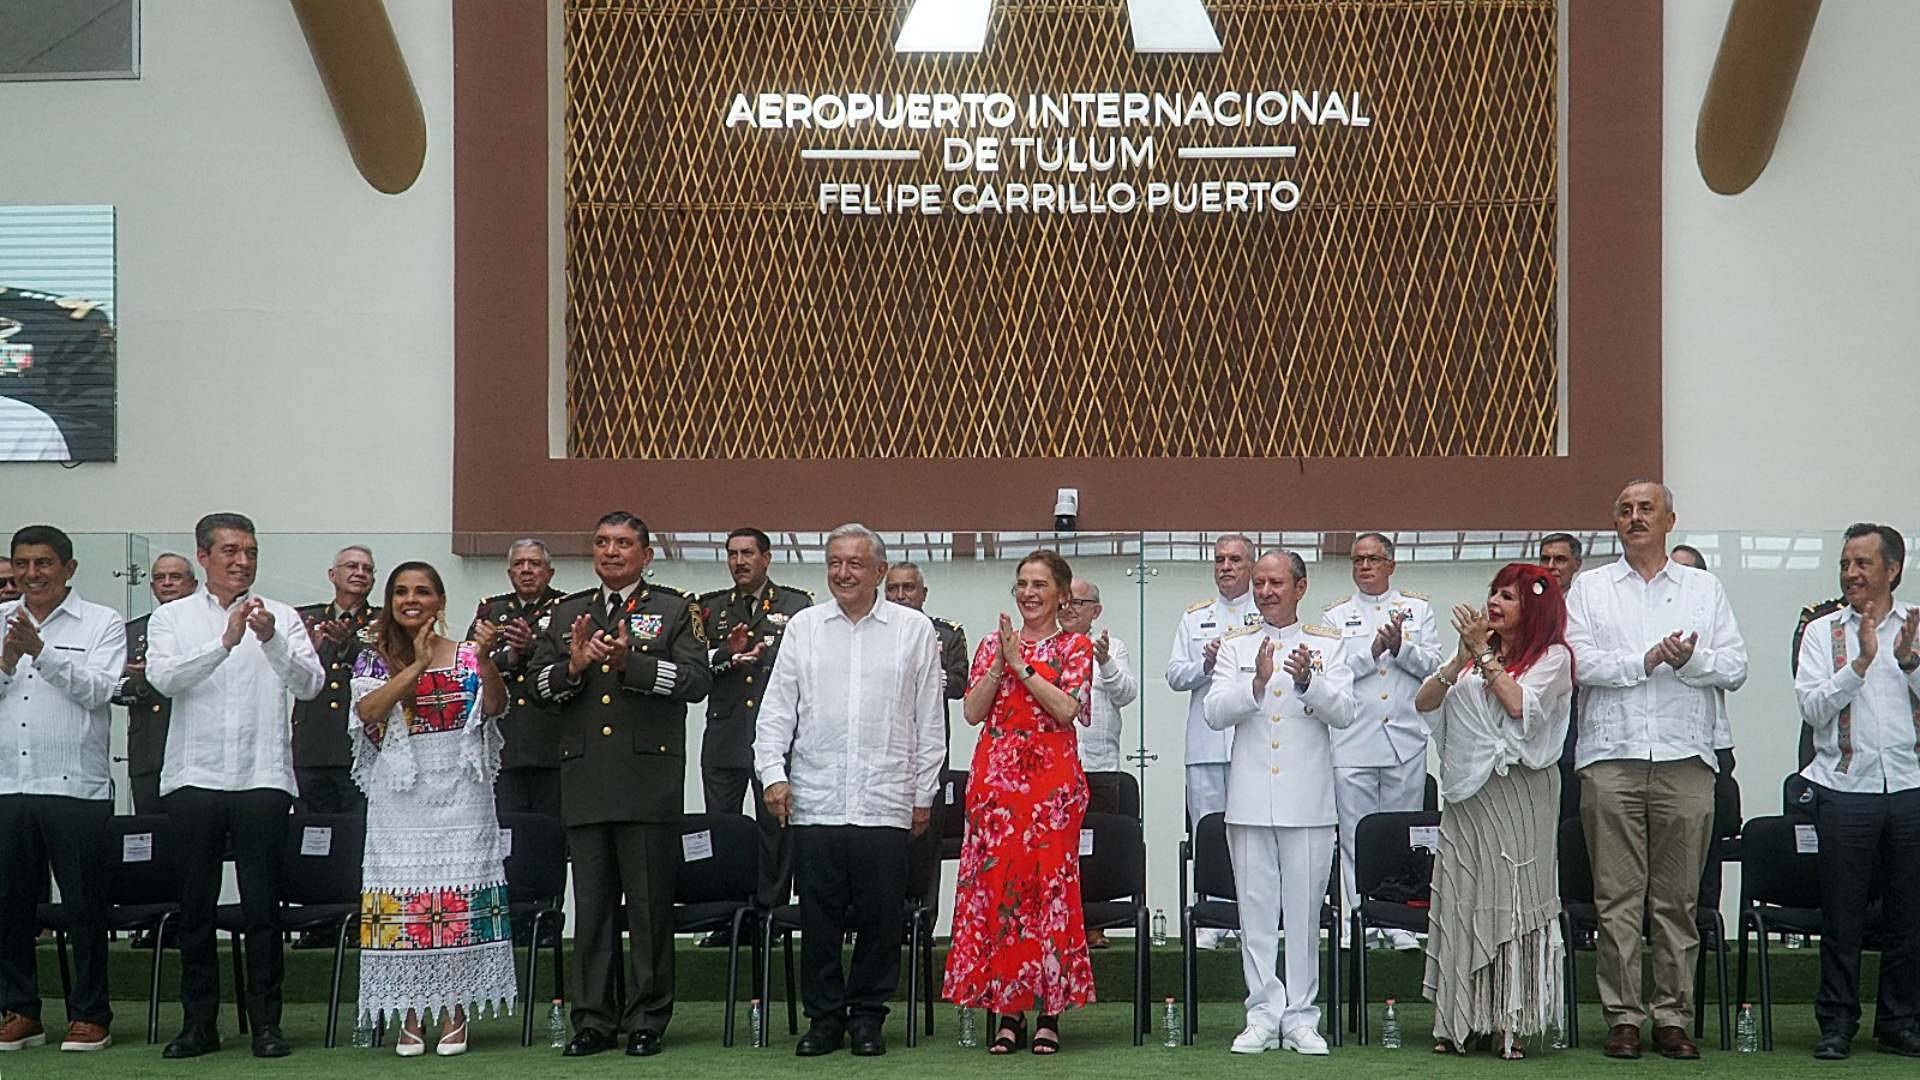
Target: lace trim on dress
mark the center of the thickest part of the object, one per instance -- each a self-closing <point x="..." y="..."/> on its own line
<point x="481" y="980"/>
<point x="392" y="763"/>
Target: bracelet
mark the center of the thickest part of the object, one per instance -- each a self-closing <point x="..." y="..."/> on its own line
<point x="1441" y="677"/>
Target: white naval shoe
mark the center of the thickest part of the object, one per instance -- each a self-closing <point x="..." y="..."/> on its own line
<point x="1305" y="1040"/>
<point x="1400" y="940"/>
<point x="1257" y="1039"/>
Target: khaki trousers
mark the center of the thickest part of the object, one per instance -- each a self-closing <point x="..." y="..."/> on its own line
<point x="1648" y="825"/>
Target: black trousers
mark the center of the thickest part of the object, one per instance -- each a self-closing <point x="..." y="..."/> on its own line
<point x="203" y="821"/>
<point x="1863" y="839"/>
<point x="527" y="791"/>
<point x="851" y="877"/>
<point x="724" y="789"/>
<point x="641" y="861"/>
<point x="329" y="790"/>
<point x="146" y="794"/>
<point x="72" y="835"/>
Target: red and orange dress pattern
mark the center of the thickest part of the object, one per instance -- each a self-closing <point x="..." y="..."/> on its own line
<point x="1018" y="938"/>
<point x="433" y="902"/>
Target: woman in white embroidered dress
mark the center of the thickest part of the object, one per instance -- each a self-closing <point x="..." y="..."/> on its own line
<point x="434" y="938"/>
<point x="1499" y="711"/>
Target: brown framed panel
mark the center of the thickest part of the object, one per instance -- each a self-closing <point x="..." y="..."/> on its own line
<point x="504" y="482"/>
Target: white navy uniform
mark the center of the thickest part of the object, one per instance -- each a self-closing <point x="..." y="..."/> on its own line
<point x="1280" y="808"/>
<point x="1207" y="750"/>
<point x="1380" y="763"/>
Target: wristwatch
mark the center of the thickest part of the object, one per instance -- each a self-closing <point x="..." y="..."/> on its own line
<point x="1026" y="671"/>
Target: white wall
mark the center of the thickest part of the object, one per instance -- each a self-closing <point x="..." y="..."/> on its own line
<point x="285" y="331"/>
<point x="1790" y="314"/>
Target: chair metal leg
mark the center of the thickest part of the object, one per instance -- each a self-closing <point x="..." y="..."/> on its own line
<point x="332" y="1037"/>
<point x="1720" y="965"/>
<point x="558" y="918"/>
<point x="928" y="973"/>
<point x="1339" y="1036"/>
<point x="153" y="989"/>
<point x="1743" y="956"/>
<point x="1570" y="976"/>
<point x="1359" y="1020"/>
<point x="733" y="975"/>
<point x="793" y="995"/>
<point x="1142" y="974"/>
<point x="913" y="980"/>
<point x="1190" y="978"/>
<point x="526" y="980"/>
<point x="1699" y="988"/>
<point x="66" y="973"/>
<point x="765" y="973"/>
<point x="1766" y="989"/>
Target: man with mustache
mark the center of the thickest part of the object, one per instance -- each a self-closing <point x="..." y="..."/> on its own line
<point x="1654" y="642"/>
<point x="529" y="781"/>
<point x="1857" y="683"/>
<point x="621" y="661"/>
<point x="322" y="754"/>
<point x="1196" y="649"/>
<point x="1561" y="554"/>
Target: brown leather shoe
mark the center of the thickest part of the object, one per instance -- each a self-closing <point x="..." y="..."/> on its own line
<point x="1623" y="1041"/>
<point x="19" y="1032"/>
<point x="1673" y="1042"/>
<point x="82" y="1036"/>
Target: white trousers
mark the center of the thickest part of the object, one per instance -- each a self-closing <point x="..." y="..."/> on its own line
<point x="1281" y="876"/>
<point x="1206" y="790"/>
<point x="1373" y="790"/>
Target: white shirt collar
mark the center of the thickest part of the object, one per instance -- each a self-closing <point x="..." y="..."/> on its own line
<point x="1387" y="597"/>
<point x="1622" y="569"/>
<point x="879" y="612"/>
<point x="213" y="601"/>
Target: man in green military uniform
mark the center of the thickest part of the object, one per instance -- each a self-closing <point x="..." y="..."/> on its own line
<point x="744" y="624"/>
<point x="147" y="712"/>
<point x="529" y="780"/>
<point x="621" y="661"/>
<point x="322" y="753"/>
<point x="906" y="585"/>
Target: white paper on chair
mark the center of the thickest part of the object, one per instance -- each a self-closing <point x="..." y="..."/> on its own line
<point x="1424" y="836"/>
<point x="136" y="847"/>
<point x="506" y="843"/>
<point x="1086" y="843"/>
<point x="949" y="793"/>
<point x="695" y="846"/>
<point x="1806" y="841"/>
<point x="317" y="840"/>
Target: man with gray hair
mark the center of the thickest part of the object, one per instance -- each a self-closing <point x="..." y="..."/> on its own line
<point x="1114" y="688"/>
<point x="322" y="753"/>
<point x="170" y="579"/>
<point x="1654" y="643"/>
<point x="847" y="746"/>
<point x="1196" y="647"/>
<point x="529" y="781"/>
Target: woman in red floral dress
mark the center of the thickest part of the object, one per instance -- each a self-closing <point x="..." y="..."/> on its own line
<point x="1018" y="940"/>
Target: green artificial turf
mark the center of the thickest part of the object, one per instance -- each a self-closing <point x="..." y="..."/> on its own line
<point x="1098" y="1048"/>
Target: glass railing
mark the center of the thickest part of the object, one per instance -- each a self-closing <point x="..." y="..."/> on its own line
<point x="1147" y="581"/>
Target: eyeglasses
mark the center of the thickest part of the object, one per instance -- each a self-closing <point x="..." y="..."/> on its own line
<point x="1077" y="603"/>
<point x="1370" y="560"/>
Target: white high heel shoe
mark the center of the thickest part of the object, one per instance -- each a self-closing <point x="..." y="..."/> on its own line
<point x="409" y="1044"/>
<point x="452" y="1042"/>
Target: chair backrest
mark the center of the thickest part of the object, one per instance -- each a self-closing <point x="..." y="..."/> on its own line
<point x="953" y="805"/>
<point x="1212" y="862"/>
<point x="145" y="857"/>
<point x="320" y="858"/>
<point x="1430" y="797"/>
<point x="1117" y="867"/>
<point x="536" y="846"/>
<point x="1771" y="870"/>
<point x="1128" y="787"/>
<point x="923" y="870"/>
<point x="1383" y="849"/>
<point x="1576" y="873"/>
<point x="730" y="871"/>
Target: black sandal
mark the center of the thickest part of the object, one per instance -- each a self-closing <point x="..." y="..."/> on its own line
<point x="1011" y="1037"/>
<point x="1446" y="1046"/>
<point x="1046" y="1045"/>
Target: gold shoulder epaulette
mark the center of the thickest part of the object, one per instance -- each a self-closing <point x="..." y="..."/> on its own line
<point x="1242" y="632"/>
<point x="1191" y="608"/>
<point x="713" y="593"/>
<point x="1321" y="631"/>
<point x="498" y="599"/>
<point x="1416" y="595"/>
<point x="589" y="591"/>
<point x="1338" y="602"/>
<point x="668" y="589"/>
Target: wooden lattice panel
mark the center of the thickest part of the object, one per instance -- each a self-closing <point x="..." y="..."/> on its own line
<point x="1406" y="308"/>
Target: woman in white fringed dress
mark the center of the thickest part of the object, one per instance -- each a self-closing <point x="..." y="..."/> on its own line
<point x="434" y="939"/>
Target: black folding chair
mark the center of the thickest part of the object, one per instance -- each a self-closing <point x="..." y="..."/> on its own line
<point x="951" y="813"/>
<point x="923" y="912"/>
<point x="1383" y="851"/>
<point x="321" y="892"/>
<point x="143" y="894"/>
<point x="716" y="886"/>
<point x="1430" y="796"/>
<point x="1780" y="891"/>
<point x="536" y="865"/>
<point x="1214" y="906"/>
<point x="1113" y="895"/>
<point x="1580" y="917"/>
<point x="1119" y="791"/>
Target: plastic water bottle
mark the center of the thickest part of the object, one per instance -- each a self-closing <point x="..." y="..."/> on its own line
<point x="1159" y="926"/>
<point x="756" y="1024"/>
<point x="1796" y="941"/>
<point x="1172" y="1023"/>
<point x="362" y="1032"/>
<point x="1390" y="1028"/>
<point x="557" y="1024"/>
<point x="963" y="1022"/>
<point x="1746" y="1035"/>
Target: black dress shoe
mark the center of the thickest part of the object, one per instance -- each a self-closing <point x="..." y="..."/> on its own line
<point x="1833" y="1046"/>
<point x="192" y="1042"/>
<point x="1906" y="1043"/>
<point x="864" y="1038"/>
<point x="719" y="939"/>
<point x="643" y="1044"/>
<point x="268" y="1042"/>
<point x="587" y="1043"/>
<point x="823" y="1036"/>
